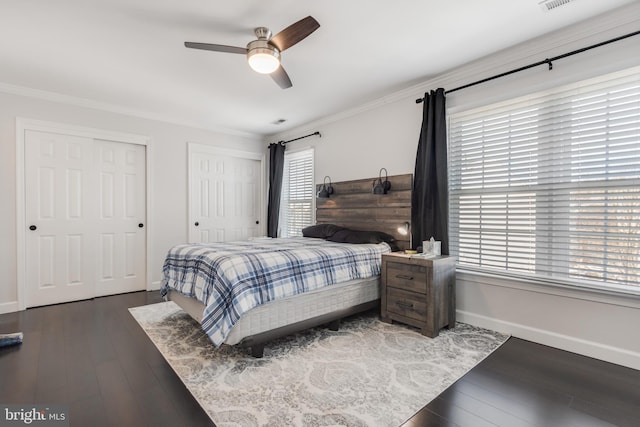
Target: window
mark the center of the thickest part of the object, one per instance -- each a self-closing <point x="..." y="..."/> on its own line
<point x="549" y="185"/>
<point x="297" y="198"/>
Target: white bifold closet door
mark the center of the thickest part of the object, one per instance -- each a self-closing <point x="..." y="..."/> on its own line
<point x="85" y="211"/>
<point x="224" y="196"/>
<point x="121" y="256"/>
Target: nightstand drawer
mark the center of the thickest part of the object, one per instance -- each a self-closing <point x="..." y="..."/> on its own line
<point x="407" y="276"/>
<point x="407" y="304"/>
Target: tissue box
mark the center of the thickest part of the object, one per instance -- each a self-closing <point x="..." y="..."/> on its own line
<point x="432" y="247"/>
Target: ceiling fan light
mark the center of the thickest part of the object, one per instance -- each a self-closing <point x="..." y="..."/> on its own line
<point x="263" y="60"/>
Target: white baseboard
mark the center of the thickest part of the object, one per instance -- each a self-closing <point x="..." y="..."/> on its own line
<point x="154" y="286"/>
<point x="596" y="350"/>
<point x="9" y="307"/>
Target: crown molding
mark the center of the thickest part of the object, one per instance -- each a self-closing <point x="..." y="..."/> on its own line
<point x="113" y="108"/>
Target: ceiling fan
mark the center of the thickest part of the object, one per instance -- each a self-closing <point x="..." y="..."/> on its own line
<point x="263" y="54"/>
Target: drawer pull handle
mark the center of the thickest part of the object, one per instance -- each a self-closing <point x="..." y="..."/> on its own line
<point x="404" y="276"/>
<point x="404" y="304"/>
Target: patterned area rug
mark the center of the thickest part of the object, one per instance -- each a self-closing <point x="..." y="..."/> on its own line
<point x="368" y="373"/>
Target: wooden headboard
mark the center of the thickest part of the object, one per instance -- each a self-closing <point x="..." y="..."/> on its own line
<point x="353" y="205"/>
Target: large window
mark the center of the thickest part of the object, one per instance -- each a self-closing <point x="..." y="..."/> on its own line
<point x="297" y="199"/>
<point x="549" y="185"/>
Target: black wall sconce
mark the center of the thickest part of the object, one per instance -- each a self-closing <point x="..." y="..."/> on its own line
<point x="380" y="186"/>
<point x="326" y="190"/>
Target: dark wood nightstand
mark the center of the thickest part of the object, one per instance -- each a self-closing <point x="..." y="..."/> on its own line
<point x="419" y="291"/>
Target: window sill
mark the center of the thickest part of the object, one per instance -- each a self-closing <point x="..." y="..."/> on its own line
<point x="605" y="296"/>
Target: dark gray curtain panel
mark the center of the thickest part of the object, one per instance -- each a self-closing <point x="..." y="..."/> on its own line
<point x="430" y="200"/>
<point x="276" y="166"/>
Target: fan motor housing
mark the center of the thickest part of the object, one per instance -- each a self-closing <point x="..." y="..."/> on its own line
<point x="264" y="47"/>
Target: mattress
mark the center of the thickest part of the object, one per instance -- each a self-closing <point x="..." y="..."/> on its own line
<point x="231" y="278"/>
<point x="290" y="310"/>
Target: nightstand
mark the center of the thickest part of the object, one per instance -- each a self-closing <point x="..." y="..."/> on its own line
<point x="419" y="291"/>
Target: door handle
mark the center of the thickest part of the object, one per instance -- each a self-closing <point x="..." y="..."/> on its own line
<point x="140" y="225"/>
<point x="257" y="222"/>
<point x="33" y="228"/>
<point x="197" y="223"/>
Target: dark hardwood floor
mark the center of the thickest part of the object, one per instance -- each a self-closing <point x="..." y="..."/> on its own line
<point x="93" y="357"/>
<point x="524" y="384"/>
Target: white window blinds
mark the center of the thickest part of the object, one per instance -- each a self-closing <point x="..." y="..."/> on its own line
<point x="297" y="199"/>
<point x="549" y="185"/>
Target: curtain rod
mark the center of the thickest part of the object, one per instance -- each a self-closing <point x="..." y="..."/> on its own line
<point x="548" y="61"/>
<point x="295" y="139"/>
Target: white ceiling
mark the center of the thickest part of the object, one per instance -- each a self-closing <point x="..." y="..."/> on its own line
<point x="128" y="55"/>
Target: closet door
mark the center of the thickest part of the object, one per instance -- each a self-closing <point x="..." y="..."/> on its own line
<point x="85" y="213"/>
<point x="60" y="212"/>
<point x="224" y="196"/>
<point x="120" y="225"/>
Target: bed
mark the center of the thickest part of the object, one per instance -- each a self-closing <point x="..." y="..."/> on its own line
<point x="249" y="293"/>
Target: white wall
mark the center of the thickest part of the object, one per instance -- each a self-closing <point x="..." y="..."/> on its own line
<point x="355" y="144"/>
<point x="168" y="180"/>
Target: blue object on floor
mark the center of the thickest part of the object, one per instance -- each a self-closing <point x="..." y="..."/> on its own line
<point x="10" y="339"/>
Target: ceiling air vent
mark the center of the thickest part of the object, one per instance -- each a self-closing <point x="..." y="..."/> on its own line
<point x="549" y="5"/>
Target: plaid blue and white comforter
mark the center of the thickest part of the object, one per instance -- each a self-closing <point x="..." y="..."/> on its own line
<point x="231" y="278"/>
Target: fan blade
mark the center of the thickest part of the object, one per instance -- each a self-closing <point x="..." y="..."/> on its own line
<point x="294" y="33"/>
<point x="281" y="77"/>
<point x="216" y="47"/>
